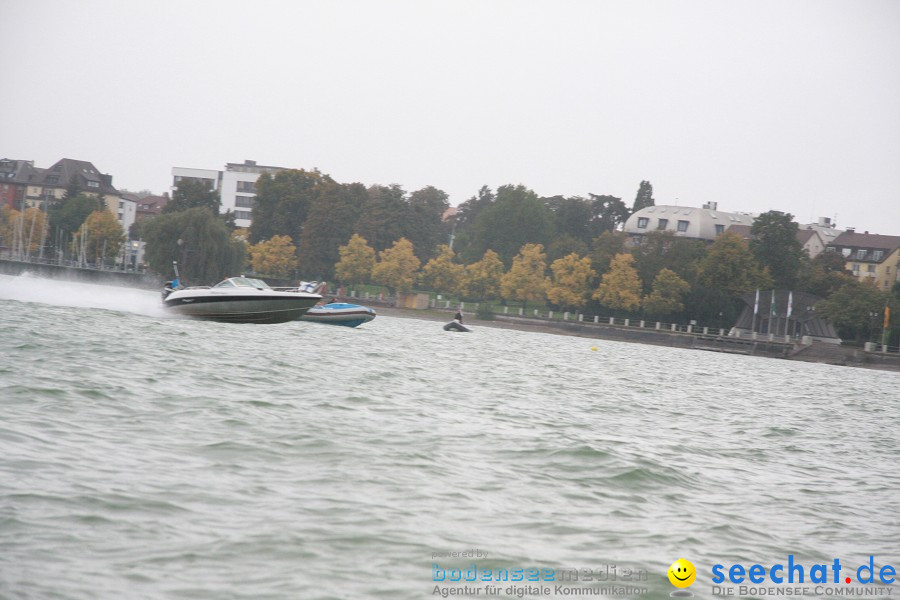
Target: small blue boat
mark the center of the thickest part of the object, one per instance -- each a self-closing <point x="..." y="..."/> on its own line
<point x="340" y="313"/>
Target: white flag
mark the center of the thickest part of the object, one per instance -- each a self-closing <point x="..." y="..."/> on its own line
<point x="790" y="303"/>
<point x="756" y="304"/>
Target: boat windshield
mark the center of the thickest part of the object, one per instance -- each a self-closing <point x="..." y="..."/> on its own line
<point x="243" y="282"/>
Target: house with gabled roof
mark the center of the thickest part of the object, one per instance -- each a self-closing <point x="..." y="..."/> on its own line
<point x="810" y="239"/>
<point x="15" y="177"/>
<point x="81" y="175"/>
<point x="149" y="206"/>
<point x="870" y="257"/>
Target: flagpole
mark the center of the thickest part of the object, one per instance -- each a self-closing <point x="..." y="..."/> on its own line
<point x="885" y="333"/>
<point x="755" y="312"/>
<point x="790" y="309"/>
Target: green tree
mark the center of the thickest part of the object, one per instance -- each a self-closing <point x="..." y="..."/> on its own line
<point x="100" y="237"/>
<point x="856" y="310"/>
<point x="357" y="259"/>
<point x="776" y="247"/>
<point x="426" y="228"/>
<point x="823" y="275"/>
<point x="468" y="211"/>
<point x="731" y="267"/>
<point x="667" y="294"/>
<point x="397" y="267"/>
<point x="644" y="197"/>
<point x="517" y="217"/>
<point x="564" y="245"/>
<point x="620" y="288"/>
<point x="443" y="275"/>
<point x="662" y="250"/>
<point x="276" y="257"/>
<point x="193" y="193"/>
<point x="330" y="223"/>
<point x="571" y="217"/>
<point x="525" y="279"/>
<point x="385" y="218"/>
<point x="606" y="246"/>
<point x="283" y="202"/>
<point x="482" y="280"/>
<point x="608" y="213"/>
<point x="68" y="215"/>
<point x="201" y="243"/>
<point x="572" y="280"/>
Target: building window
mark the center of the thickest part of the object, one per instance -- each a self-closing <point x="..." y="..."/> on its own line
<point x="871" y="268"/>
<point x="720" y="229"/>
<point x="856" y="269"/>
<point x="860" y="254"/>
<point x="244" y="201"/>
<point x="242" y="214"/>
<point x="663" y="223"/>
<point x="846" y="252"/>
<point x="93" y="184"/>
<point x="877" y="255"/>
<point x="209" y="182"/>
<point x="247" y="187"/>
<point x="830" y="249"/>
<point x="642" y="222"/>
<point x="683" y="225"/>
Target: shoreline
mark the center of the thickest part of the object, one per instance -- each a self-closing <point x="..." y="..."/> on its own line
<point x="818" y="352"/>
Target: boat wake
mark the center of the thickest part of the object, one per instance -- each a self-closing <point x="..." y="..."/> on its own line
<point x="31" y="288"/>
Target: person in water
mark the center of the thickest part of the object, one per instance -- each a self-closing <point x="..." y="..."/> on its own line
<point x="458" y="316"/>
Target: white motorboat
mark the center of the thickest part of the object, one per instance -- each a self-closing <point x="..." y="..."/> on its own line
<point x="239" y="300"/>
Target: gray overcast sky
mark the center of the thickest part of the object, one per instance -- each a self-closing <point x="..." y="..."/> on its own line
<point x="788" y="104"/>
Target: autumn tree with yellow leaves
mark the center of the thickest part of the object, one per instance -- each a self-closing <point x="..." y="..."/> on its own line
<point x="482" y="278"/>
<point x="22" y="231"/>
<point x="526" y="280"/>
<point x="397" y="267"/>
<point x="572" y="278"/>
<point x="620" y="288"/>
<point x="441" y="274"/>
<point x="100" y="237"/>
<point x="356" y="262"/>
<point x="276" y="257"/>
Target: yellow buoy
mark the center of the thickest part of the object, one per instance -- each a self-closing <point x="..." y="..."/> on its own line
<point x="594" y="348"/>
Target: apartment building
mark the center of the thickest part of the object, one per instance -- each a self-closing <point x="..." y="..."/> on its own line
<point x="236" y="185"/>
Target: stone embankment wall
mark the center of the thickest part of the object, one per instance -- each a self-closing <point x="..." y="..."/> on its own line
<point x="819" y="352"/>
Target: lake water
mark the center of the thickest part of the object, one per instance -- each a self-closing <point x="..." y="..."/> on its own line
<point x="143" y="456"/>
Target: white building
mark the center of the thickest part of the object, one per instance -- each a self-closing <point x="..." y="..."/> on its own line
<point x="705" y="223"/>
<point x="236" y="186"/>
<point x="126" y="213"/>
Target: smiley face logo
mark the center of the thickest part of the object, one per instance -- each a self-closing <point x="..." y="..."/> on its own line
<point x="682" y="573"/>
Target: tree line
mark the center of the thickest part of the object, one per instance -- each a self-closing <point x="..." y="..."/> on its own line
<point x="77" y="228"/>
<point x="508" y="245"/>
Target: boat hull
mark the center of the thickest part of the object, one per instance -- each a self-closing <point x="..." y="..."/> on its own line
<point x="456" y="326"/>
<point x="253" y="308"/>
<point x="347" y="315"/>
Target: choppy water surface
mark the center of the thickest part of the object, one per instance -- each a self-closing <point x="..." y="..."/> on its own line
<point x="143" y="456"/>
